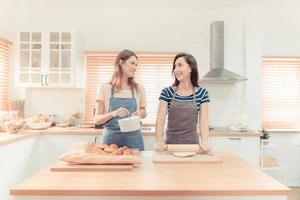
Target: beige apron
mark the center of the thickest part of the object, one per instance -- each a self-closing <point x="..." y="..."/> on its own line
<point x="182" y="122"/>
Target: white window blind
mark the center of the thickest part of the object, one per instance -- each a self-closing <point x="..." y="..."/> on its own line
<point x="5" y="52"/>
<point x="281" y="92"/>
<point x="153" y="72"/>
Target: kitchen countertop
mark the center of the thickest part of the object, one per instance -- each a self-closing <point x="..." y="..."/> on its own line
<point x="6" y="138"/>
<point x="234" y="177"/>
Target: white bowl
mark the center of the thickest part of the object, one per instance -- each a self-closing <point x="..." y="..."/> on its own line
<point x="38" y="125"/>
<point x="130" y="124"/>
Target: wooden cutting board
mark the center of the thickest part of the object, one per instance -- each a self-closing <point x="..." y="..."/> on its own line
<point x="167" y="157"/>
<point x="63" y="166"/>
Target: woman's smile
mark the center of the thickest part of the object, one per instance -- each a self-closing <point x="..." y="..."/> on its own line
<point x="179" y="75"/>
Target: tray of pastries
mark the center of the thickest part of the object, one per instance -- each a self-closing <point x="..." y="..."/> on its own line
<point x="102" y="154"/>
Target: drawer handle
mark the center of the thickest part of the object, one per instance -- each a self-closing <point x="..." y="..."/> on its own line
<point x="235" y="138"/>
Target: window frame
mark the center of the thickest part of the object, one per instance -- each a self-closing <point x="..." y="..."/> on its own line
<point x="5" y="70"/>
<point x="277" y="70"/>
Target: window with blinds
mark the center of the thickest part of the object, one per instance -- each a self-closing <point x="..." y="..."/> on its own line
<point x="281" y="93"/>
<point x="4" y="73"/>
<point x="154" y="72"/>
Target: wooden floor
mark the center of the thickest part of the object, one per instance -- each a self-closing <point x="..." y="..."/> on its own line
<point x="294" y="193"/>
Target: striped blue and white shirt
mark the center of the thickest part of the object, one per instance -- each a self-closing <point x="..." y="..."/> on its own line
<point x="201" y="96"/>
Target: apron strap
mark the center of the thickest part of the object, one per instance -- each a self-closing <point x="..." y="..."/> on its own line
<point x="132" y="90"/>
<point x="194" y="98"/>
<point x="112" y="92"/>
<point x="174" y="93"/>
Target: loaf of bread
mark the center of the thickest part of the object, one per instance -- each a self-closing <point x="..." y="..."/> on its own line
<point x="101" y="154"/>
<point x="96" y="158"/>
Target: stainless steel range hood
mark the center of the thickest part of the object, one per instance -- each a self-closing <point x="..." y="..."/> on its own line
<point x="217" y="72"/>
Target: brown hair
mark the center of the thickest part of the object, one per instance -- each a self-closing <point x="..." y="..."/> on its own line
<point x="116" y="77"/>
<point x="191" y="61"/>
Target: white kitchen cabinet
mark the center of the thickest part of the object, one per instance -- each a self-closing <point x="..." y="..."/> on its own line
<point x="248" y="148"/>
<point x="49" y="59"/>
<point x="17" y="162"/>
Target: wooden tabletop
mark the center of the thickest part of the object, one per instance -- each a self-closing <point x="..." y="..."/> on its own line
<point x="233" y="177"/>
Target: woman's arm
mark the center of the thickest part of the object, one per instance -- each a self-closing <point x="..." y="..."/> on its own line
<point x="160" y="121"/>
<point x="101" y="118"/>
<point x="141" y="113"/>
<point x="203" y="121"/>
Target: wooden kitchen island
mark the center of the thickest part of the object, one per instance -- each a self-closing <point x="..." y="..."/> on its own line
<point x="232" y="180"/>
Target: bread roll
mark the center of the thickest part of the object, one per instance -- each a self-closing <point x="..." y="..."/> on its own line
<point x="125" y="147"/>
<point x="108" y="149"/>
<point x="100" y="151"/>
<point x="128" y="152"/>
<point x="102" y="146"/>
<point x="111" y="148"/>
<point x="117" y="152"/>
<point x="114" y="146"/>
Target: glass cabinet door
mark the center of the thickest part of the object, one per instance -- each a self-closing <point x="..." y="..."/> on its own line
<point x="65" y="51"/>
<point x="30" y="57"/>
<point x="60" y="57"/>
<point x="54" y="52"/>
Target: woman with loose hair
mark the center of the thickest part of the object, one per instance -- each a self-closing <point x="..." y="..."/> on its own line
<point x="186" y="104"/>
<point x="119" y="98"/>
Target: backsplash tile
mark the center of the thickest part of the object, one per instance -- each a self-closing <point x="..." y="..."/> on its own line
<point x="60" y="101"/>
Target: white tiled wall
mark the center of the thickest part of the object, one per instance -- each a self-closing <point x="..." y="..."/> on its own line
<point x="62" y="102"/>
<point x="281" y="28"/>
<point x="6" y="14"/>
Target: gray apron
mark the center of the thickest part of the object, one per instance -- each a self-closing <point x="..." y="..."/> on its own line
<point x="112" y="133"/>
<point x="182" y="122"/>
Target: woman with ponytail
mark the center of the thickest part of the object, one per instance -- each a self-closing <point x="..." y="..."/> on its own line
<point x="119" y="98"/>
